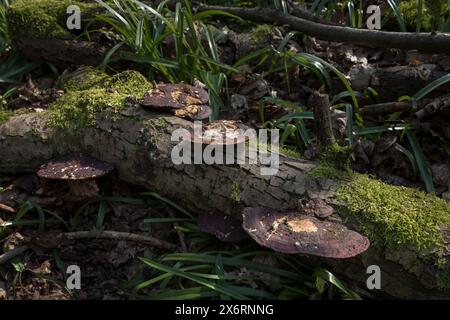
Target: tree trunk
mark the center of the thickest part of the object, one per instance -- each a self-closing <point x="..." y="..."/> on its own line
<point x="139" y="145"/>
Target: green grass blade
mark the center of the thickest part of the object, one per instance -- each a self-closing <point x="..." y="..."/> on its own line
<point x="186" y="275"/>
<point x="430" y="88"/>
<point x="170" y="203"/>
<point x="419" y="15"/>
<point x="101" y="214"/>
<point x="349" y="116"/>
<point x="421" y="161"/>
<point x="398" y="15"/>
<point x="185" y="294"/>
<point x="408" y="155"/>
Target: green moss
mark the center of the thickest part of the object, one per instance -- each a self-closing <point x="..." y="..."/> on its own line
<point x="128" y="82"/>
<point x="40" y="18"/>
<point x="4" y="114"/>
<point x="443" y="281"/>
<point x="262" y="33"/>
<point x="82" y="79"/>
<point x="393" y="215"/>
<point x="328" y="171"/>
<point x="287" y="151"/>
<point x="433" y="13"/>
<point x="91" y="92"/>
<point x="334" y="162"/>
<point x="235" y="192"/>
<point x="290" y="152"/>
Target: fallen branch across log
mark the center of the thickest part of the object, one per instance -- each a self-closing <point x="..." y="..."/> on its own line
<point x="425" y="108"/>
<point x="427" y="42"/>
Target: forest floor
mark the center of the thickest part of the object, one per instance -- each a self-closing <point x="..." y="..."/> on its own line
<point x="34" y="211"/>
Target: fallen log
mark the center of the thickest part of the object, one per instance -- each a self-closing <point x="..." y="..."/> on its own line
<point x="38" y="31"/>
<point x="407" y="228"/>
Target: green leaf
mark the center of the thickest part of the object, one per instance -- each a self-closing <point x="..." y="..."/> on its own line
<point x="170" y="203"/>
<point x="398" y="15"/>
<point x="409" y="155"/>
<point x="421" y="161"/>
<point x="210" y="13"/>
<point x="209" y="284"/>
<point x="429" y="88"/>
<point x="321" y="273"/>
<point x="101" y="214"/>
<point x="349" y="115"/>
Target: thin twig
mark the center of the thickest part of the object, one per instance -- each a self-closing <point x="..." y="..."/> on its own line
<point x="115" y="235"/>
<point x="384" y="108"/>
<point x="4" y="207"/>
<point x="12" y="253"/>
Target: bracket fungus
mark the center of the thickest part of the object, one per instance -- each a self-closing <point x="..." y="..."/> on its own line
<point x="223" y="132"/>
<point x="292" y="232"/>
<point x="80" y="172"/>
<point x="224" y="227"/>
<point x="183" y="100"/>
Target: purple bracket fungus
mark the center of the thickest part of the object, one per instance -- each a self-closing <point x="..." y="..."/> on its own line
<point x="292" y="232"/>
<point x="80" y="172"/>
<point x="183" y="100"/>
<point x="224" y="227"/>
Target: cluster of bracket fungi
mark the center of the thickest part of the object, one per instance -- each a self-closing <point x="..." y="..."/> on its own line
<point x="286" y="232"/>
<point x="191" y="102"/>
<point x="182" y="100"/>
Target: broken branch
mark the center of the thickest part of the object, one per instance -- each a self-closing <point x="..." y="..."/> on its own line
<point x="120" y="236"/>
<point x="428" y="42"/>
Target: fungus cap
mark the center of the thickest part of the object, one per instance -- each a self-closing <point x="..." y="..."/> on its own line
<point x="182" y="99"/>
<point x="223" y="132"/>
<point x="75" y="167"/>
<point x="194" y="112"/>
<point x="224" y="227"/>
<point x="174" y="96"/>
<point x="292" y="232"/>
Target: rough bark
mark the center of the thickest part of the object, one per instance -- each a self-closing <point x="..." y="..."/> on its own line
<point x="139" y="145"/>
<point x="322" y="119"/>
